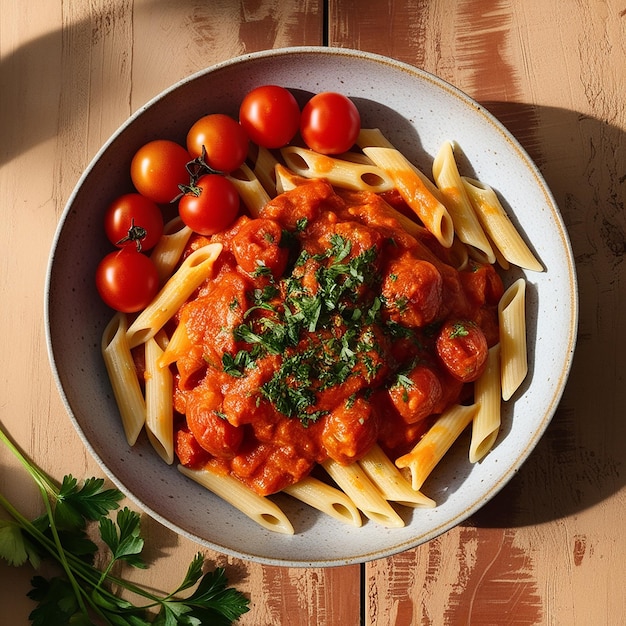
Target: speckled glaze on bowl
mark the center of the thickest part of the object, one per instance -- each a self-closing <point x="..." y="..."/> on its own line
<point x="417" y="112"/>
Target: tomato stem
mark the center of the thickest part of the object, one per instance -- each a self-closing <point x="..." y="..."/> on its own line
<point x="135" y="233"/>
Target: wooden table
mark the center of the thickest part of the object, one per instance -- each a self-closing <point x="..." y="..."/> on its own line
<point x="550" y="548"/>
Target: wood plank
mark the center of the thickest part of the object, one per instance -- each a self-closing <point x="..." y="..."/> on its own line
<point x="72" y="72"/>
<point x="554" y="74"/>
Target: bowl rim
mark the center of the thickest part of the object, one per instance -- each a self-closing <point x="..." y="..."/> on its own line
<point x="565" y="364"/>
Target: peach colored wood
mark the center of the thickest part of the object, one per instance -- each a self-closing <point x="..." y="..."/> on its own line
<point x="71" y="72"/>
<point x="551" y="547"/>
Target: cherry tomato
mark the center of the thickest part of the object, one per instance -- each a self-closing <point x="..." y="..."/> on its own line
<point x="462" y="348"/>
<point x="330" y="123"/>
<point x="210" y="205"/>
<point x="127" y="280"/>
<point x="132" y="220"/>
<point x="270" y="115"/>
<point x="158" y="168"/>
<point x="223" y="138"/>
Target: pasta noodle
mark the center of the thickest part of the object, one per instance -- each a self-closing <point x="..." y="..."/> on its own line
<point x="499" y="227"/>
<point x="390" y="482"/>
<point x="427" y="453"/>
<point x="178" y="345"/>
<point x="466" y="225"/>
<point x="512" y="320"/>
<point x="265" y="169"/>
<point x="487" y="395"/>
<point x="258" y="508"/>
<point x="326" y="499"/>
<point x="195" y="269"/>
<point x="250" y="189"/>
<point x="169" y="249"/>
<point x="357" y="486"/>
<point x="122" y="373"/>
<point x="343" y="173"/>
<point x="286" y="179"/>
<point x="412" y="185"/>
<point x="159" y="390"/>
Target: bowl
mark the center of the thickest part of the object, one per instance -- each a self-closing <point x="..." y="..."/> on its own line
<point x="417" y="112"/>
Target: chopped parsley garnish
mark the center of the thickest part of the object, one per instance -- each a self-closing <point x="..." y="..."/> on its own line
<point x="322" y="334"/>
<point x="458" y="330"/>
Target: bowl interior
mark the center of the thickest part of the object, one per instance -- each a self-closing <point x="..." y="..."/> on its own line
<point x="417" y="112"/>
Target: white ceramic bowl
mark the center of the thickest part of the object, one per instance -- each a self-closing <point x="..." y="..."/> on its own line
<point x="417" y="112"/>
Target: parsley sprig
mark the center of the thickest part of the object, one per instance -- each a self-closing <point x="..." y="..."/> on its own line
<point x="81" y="595"/>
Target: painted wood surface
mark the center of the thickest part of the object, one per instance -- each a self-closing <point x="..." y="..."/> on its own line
<point x="551" y="547"/>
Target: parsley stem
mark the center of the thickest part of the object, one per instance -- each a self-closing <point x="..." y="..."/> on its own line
<point x="61" y="552"/>
<point x="41" y="478"/>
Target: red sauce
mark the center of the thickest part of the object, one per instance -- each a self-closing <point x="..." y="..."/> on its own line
<point x="320" y="334"/>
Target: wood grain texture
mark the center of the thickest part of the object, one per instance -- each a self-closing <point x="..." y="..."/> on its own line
<point x="554" y="74"/>
<point x="70" y="75"/>
<point x="549" y="549"/>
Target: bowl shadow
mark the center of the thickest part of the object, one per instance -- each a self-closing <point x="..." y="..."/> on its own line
<point x="580" y="460"/>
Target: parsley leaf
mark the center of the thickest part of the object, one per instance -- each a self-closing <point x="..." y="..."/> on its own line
<point x="213" y="602"/>
<point x="126" y="545"/>
<point x="15" y="548"/>
<point x="74" y="506"/>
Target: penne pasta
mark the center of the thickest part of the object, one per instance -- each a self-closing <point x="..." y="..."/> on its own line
<point x="178" y="345"/>
<point x="326" y="499"/>
<point x="390" y="482"/>
<point x="265" y="169"/>
<point x="159" y="407"/>
<point x="512" y="321"/>
<point x="432" y="447"/>
<point x="195" y="269"/>
<point x="258" y="508"/>
<point x="286" y="180"/>
<point x="357" y="486"/>
<point x="250" y="189"/>
<point x="122" y="373"/>
<point x="169" y="250"/>
<point x="339" y="172"/>
<point x="373" y="138"/>
<point x="487" y="395"/>
<point x="412" y="187"/>
<point x="498" y="226"/>
<point x="355" y="157"/>
<point x="467" y="227"/>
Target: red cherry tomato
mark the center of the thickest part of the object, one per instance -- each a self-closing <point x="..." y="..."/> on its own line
<point x="158" y="168"/>
<point x="270" y="115"/>
<point x="330" y="123"/>
<point x="462" y="348"/>
<point x="132" y="220"/>
<point x="223" y="138"/>
<point x="210" y="205"/>
<point x="127" y="280"/>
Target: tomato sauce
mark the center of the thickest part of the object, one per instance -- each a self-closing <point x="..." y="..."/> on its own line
<point x="326" y="328"/>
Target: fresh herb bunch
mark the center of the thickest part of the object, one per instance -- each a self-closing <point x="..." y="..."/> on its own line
<point x="82" y="595"/>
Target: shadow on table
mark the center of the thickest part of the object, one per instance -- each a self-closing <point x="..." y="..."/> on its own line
<point x="32" y="75"/>
<point x="580" y="460"/>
